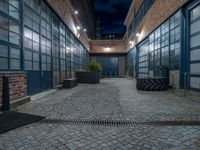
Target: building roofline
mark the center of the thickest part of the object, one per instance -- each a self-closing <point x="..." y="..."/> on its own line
<point x="129" y="12"/>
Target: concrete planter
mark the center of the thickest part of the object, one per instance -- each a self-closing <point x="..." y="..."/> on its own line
<point x="88" y="77"/>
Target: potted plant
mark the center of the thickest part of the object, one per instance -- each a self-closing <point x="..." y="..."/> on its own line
<point x="91" y="76"/>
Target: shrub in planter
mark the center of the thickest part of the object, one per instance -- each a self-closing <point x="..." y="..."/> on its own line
<point x="94" y="66"/>
<point x="91" y="76"/>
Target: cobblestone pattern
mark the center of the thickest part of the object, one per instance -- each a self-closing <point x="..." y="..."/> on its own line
<point x="112" y="99"/>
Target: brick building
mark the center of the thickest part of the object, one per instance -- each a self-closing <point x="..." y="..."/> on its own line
<point x="165" y="34"/>
<point x="45" y="39"/>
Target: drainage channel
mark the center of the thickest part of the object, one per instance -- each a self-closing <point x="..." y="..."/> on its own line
<point x="120" y="123"/>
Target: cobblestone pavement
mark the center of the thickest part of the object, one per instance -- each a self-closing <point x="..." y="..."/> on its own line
<point x="113" y="99"/>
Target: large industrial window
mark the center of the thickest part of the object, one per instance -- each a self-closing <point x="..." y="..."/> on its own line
<point x="31" y="50"/>
<point x="31" y="35"/>
<point x="56" y="41"/>
<point x="165" y="44"/>
<point x="9" y="31"/>
<point x="72" y="52"/>
<point x="10" y="35"/>
<point x="31" y="18"/>
<point x="62" y="47"/>
<point x="10" y="7"/>
<point x="131" y="62"/>
<point x="151" y="52"/>
<point x="42" y="37"/>
<point x="68" y="54"/>
<point x="143" y="62"/>
<point x="175" y="33"/>
<point x="46" y="38"/>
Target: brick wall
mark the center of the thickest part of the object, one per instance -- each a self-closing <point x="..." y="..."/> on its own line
<point x="159" y="12"/>
<point x="115" y="46"/>
<point x="17" y="85"/>
<point x="66" y="11"/>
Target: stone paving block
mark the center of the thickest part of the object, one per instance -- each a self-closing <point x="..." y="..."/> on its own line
<point x="115" y="99"/>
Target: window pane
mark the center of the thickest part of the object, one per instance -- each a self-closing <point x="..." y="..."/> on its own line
<point x="3" y="63"/>
<point x="27" y="33"/>
<point x="14" y="27"/>
<point x="36" y="66"/>
<point x="14" y="53"/>
<point x="14" y="38"/>
<point x="3" y="6"/>
<point x="36" y="37"/>
<point x="3" y="22"/>
<point x="28" y="43"/>
<point x="13" y="12"/>
<point x="35" y="57"/>
<point x="27" y="65"/>
<point x="27" y="55"/>
<point x="3" y="35"/>
<point x="3" y="51"/>
<point x="14" y="3"/>
<point x="14" y="64"/>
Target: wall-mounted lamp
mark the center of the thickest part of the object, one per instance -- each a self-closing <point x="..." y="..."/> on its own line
<point x="137" y="34"/>
<point x="78" y="27"/>
<point x="76" y="12"/>
<point x="85" y="30"/>
<point x="107" y="49"/>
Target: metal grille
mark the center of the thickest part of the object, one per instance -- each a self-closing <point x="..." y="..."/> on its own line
<point x="121" y="123"/>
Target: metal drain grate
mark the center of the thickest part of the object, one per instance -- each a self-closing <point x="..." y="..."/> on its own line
<point x="120" y="123"/>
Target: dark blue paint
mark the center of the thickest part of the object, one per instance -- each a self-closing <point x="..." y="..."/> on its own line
<point x="46" y="80"/>
<point x="33" y="82"/>
<point x="109" y="65"/>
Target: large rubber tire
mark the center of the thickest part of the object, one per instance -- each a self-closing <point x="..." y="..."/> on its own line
<point x="152" y="84"/>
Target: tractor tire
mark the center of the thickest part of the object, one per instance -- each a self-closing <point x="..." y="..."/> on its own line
<point x="152" y="84"/>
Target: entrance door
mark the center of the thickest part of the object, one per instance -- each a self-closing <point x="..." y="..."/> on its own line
<point x="194" y="47"/>
<point x="109" y="65"/>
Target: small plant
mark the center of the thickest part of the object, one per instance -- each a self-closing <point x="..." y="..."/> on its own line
<point x="94" y="66"/>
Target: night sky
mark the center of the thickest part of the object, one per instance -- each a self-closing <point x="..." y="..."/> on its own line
<point x="112" y="14"/>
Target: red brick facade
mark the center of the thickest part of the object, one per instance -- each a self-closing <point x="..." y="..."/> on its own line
<point x="66" y="11"/>
<point x="159" y="12"/>
<point x="17" y="85"/>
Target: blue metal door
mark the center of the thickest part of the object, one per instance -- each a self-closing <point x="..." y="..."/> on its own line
<point x="109" y="65"/>
<point x="46" y="80"/>
<point x="33" y="82"/>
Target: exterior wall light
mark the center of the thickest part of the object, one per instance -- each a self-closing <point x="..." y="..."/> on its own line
<point x="137" y="34"/>
<point x="85" y="30"/>
<point x="107" y="49"/>
<point x="76" y="12"/>
<point x="78" y="27"/>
